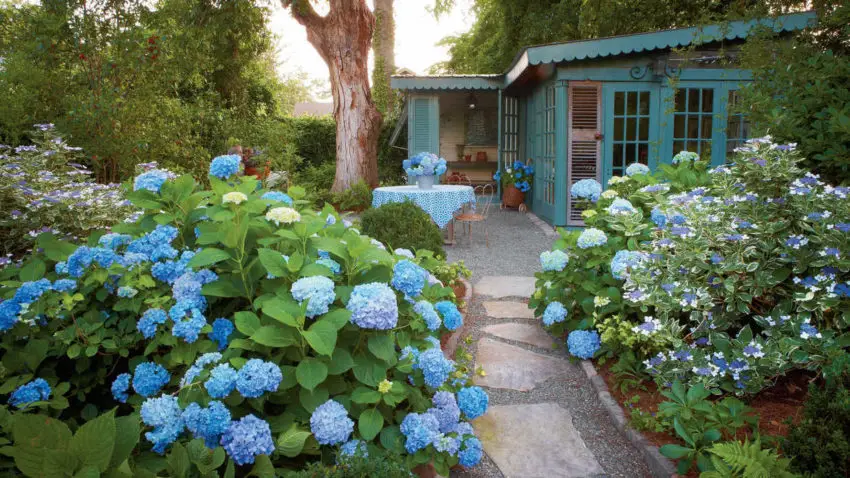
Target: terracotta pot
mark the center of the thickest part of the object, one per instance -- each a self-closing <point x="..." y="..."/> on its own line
<point x="481" y="156"/>
<point x="425" y="471"/>
<point x="512" y="197"/>
<point x="467" y="158"/>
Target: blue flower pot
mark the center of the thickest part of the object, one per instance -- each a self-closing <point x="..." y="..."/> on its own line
<point x="426" y="182"/>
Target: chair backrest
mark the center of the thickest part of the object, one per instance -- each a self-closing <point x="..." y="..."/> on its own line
<point x="484" y="198"/>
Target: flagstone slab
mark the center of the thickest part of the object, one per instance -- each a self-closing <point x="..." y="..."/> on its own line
<point x="531" y="334"/>
<point x="505" y="286"/>
<point x="512" y="367"/>
<point x="508" y="310"/>
<point x="535" y="441"/>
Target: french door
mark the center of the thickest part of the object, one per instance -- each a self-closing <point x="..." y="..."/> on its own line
<point x="631" y="127"/>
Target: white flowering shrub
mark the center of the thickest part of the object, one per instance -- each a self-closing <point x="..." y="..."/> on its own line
<point x="226" y="328"/>
<point x="44" y="187"/>
<point x="743" y="277"/>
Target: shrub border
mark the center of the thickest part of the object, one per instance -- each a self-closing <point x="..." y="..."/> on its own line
<point x="659" y="466"/>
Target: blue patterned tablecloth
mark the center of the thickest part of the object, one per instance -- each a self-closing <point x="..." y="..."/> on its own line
<point x="440" y="202"/>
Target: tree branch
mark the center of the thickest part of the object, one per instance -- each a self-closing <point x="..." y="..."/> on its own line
<point x="304" y="13"/>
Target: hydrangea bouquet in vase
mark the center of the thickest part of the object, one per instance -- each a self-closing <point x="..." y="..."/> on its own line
<point x="425" y="167"/>
<point x="516" y="181"/>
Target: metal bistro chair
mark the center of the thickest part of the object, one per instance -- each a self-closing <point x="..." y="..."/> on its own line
<point x="483" y="199"/>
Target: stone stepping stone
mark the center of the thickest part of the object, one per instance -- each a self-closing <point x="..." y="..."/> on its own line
<point x="505" y="286"/>
<point x="535" y="441"/>
<point x="531" y="334"/>
<point x="508" y="310"/>
<point x="512" y="367"/>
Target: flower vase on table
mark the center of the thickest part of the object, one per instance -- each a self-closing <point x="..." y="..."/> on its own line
<point x="425" y="167"/>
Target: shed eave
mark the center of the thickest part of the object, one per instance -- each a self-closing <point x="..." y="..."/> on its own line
<point x="469" y="82"/>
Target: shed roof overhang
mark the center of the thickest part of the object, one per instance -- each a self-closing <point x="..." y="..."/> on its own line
<point x="565" y="52"/>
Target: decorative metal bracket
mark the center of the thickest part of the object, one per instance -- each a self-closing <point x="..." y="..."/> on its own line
<point x="638" y="72"/>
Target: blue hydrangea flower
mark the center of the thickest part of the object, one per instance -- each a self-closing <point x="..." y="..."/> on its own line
<point x="583" y="343"/>
<point x="623" y="261"/>
<point x="554" y="260"/>
<point x="420" y="430"/>
<point x="126" y="292"/>
<point x="150" y="180"/>
<point x="637" y="168"/>
<point x="9" y="310"/>
<point x="409" y="278"/>
<point x="373" y="306"/>
<point x="257" y="377"/>
<point x="222" y="381"/>
<point x="446" y="444"/>
<point x="330" y="264"/>
<point x="555" y="312"/>
<point x="658" y="217"/>
<point x="120" y="386"/>
<point x="34" y="391"/>
<point x="591" y="237"/>
<point x="470" y="454"/>
<point x="588" y="189"/>
<point x="170" y="271"/>
<point x="225" y="166"/>
<point x="435" y="367"/>
<point x="164" y="414"/>
<point x="410" y="352"/>
<point x="65" y="285"/>
<point x="29" y="292"/>
<point x="246" y="439"/>
<point x="207" y="423"/>
<point x="149" y="378"/>
<point x="684" y="157"/>
<point x="151" y="319"/>
<point x="198" y="367"/>
<point x="317" y="290"/>
<point x="330" y="423"/>
<point x="278" y="196"/>
<point x="188" y="328"/>
<point x="221" y="330"/>
<point x="354" y="448"/>
<point x="428" y="314"/>
<point x="452" y="317"/>
<point x="463" y="428"/>
<point x="404" y="253"/>
<point x="114" y="241"/>
<point x="445" y="410"/>
<point x="473" y="401"/>
<point x="156" y="245"/>
<point x="620" y="207"/>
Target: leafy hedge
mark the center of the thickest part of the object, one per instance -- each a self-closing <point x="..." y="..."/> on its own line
<point x="234" y="327"/>
<point x="403" y="225"/>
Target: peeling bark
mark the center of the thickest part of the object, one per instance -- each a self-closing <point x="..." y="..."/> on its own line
<point x="343" y="39"/>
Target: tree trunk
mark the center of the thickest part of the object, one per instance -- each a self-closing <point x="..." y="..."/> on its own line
<point x="343" y="38"/>
<point x="383" y="47"/>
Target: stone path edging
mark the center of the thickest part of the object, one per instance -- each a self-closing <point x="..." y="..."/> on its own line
<point x="659" y="465"/>
<point x="454" y="338"/>
<point x="546" y="228"/>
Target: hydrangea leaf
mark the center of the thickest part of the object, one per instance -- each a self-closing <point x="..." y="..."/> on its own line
<point x="392" y="439"/>
<point x="341" y="362"/>
<point x="246" y="322"/>
<point x="311" y="372"/>
<point x="127" y="430"/>
<point x="208" y="256"/>
<point x="34" y="270"/>
<point x="291" y="442"/>
<point x="311" y="399"/>
<point x="370" y="423"/>
<point x="383" y="347"/>
<point x="337" y="317"/>
<point x="37" y="437"/>
<point x="278" y="309"/>
<point x="322" y="337"/>
<point x="368" y="371"/>
<point x="365" y="395"/>
<point x="275" y="336"/>
<point x="94" y="442"/>
<point x="273" y="261"/>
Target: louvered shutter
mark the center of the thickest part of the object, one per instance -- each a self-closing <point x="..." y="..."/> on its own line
<point x="583" y="153"/>
<point x="422" y="128"/>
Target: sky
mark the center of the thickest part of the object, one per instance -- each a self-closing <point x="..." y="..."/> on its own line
<point x="416" y="35"/>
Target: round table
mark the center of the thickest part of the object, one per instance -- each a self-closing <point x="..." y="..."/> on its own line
<point x="440" y="202"/>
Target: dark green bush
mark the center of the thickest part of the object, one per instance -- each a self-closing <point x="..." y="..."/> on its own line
<point x="403" y="225"/>
<point x="384" y="466"/>
<point x="820" y="444"/>
<point x="358" y="198"/>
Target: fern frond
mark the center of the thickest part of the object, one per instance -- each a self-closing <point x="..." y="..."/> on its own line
<point x="749" y="460"/>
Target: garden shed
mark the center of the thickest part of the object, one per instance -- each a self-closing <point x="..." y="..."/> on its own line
<point x="587" y="109"/>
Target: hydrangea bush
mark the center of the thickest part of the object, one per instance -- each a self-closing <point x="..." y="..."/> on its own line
<point x="728" y="277"/>
<point x="519" y="175"/>
<point x="45" y="187"/>
<point x="228" y="327"/>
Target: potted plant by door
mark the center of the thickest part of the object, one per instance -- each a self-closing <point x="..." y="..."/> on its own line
<point x="425" y="167"/>
<point x="516" y="181"/>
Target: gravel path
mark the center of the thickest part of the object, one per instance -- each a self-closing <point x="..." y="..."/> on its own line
<point x="515" y="245"/>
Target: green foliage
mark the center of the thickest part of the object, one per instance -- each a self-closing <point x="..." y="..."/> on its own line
<point x="449" y="273"/>
<point x="628" y="372"/>
<point x="379" y="465"/>
<point x="403" y="225"/>
<point x="801" y="91"/>
<point x="357" y="198"/>
<point x="746" y="460"/>
<point x="820" y="444"/>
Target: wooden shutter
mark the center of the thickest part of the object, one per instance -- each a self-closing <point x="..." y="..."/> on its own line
<point x="423" y="129"/>
<point x="583" y="153"/>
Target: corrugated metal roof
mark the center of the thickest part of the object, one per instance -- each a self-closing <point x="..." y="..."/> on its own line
<point x="565" y="52"/>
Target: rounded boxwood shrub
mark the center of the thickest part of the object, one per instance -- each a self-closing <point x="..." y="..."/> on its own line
<point x="403" y="225"/>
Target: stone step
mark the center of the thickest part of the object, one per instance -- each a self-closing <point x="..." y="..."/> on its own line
<point x="508" y="310"/>
<point x="505" y="286"/>
<point x="535" y="441"/>
<point x="531" y="334"/>
<point x="511" y="367"/>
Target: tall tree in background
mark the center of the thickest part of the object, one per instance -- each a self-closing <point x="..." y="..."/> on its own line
<point x="383" y="49"/>
<point x="343" y="39"/>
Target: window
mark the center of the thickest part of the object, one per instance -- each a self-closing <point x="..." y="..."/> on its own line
<point x="510" y="129"/>
<point x="692" y="121"/>
<point x="631" y="130"/>
<point x="738" y="125"/>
